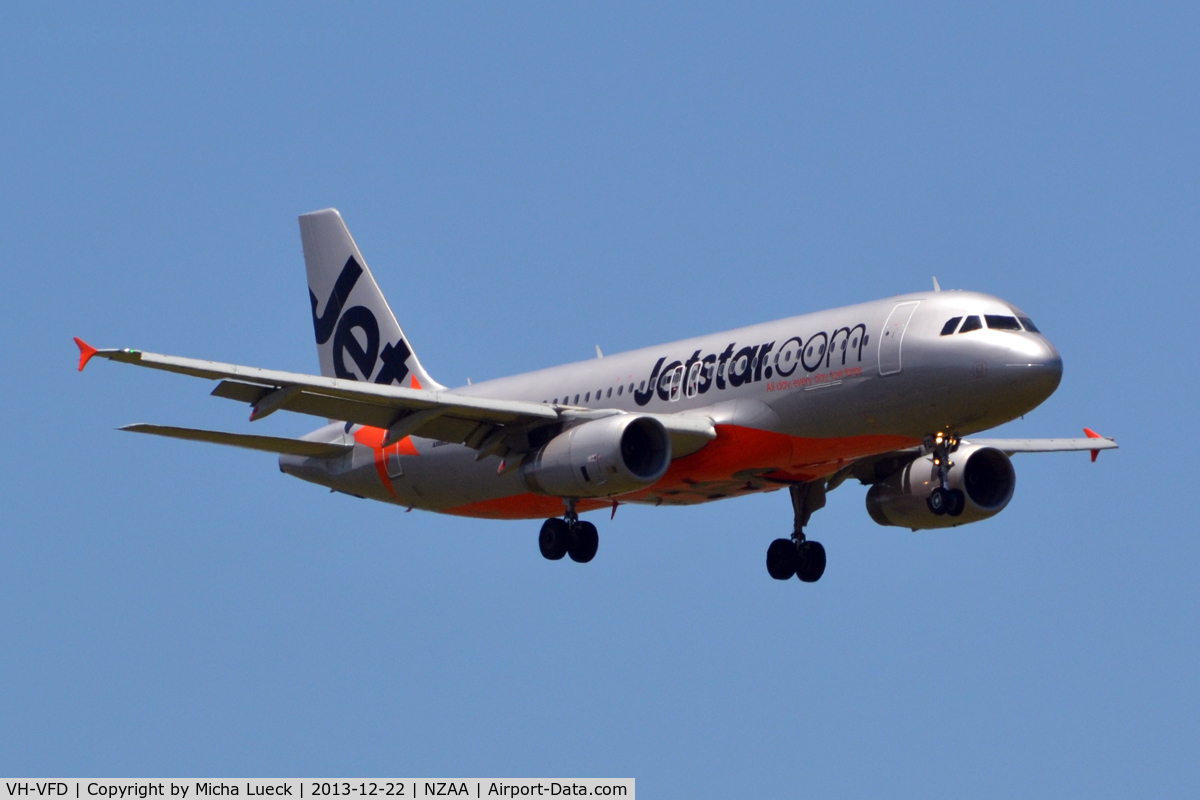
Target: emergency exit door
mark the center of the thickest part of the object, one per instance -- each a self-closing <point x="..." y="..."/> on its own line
<point x="893" y="337"/>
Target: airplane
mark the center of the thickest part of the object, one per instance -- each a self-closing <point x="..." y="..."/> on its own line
<point x="890" y="392"/>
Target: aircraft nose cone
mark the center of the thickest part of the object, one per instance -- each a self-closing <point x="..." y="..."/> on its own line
<point x="1053" y="362"/>
<point x="1036" y="365"/>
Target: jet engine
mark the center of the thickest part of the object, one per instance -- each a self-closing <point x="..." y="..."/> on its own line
<point x="602" y="458"/>
<point x="984" y="475"/>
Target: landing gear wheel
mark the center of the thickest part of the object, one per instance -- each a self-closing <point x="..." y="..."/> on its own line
<point x="810" y="561"/>
<point x="554" y="538"/>
<point x="938" y="501"/>
<point x="958" y="501"/>
<point x="782" y="559"/>
<point x="584" y="543"/>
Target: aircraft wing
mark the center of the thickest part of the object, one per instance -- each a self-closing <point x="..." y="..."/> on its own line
<point x="490" y="426"/>
<point x="875" y="468"/>
<point x="1093" y="442"/>
<point x="1011" y="446"/>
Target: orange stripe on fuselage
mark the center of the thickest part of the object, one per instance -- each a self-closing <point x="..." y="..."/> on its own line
<point x="788" y="458"/>
<point x="373" y="438"/>
<point x="738" y="461"/>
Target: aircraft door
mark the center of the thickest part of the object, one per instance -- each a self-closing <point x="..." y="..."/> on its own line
<point x="893" y="336"/>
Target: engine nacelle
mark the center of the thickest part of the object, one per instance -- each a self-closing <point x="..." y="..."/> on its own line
<point x="984" y="475"/>
<point x="602" y="458"/>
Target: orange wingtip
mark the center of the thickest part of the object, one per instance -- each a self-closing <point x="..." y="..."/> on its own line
<point x="1091" y="434"/>
<point x="86" y="351"/>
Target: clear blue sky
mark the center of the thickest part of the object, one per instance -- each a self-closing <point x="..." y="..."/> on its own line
<point x="527" y="181"/>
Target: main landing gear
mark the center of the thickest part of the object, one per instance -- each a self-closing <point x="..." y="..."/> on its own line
<point x="799" y="555"/>
<point x="943" y="499"/>
<point x="569" y="535"/>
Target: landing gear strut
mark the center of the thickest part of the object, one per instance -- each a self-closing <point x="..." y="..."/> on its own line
<point x="569" y="535"/>
<point x="799" y="555"/>
<point x="943" y="499"/>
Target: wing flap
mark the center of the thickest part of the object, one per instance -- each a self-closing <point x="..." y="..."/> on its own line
<point x="269" y="444"/>
<point x="245" y="392"/>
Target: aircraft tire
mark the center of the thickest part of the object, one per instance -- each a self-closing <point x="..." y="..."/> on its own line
<point x="554" y="538"/>
<point x="585" y="542"/>
<point x="782" y="559"/>
<point x="938" y="501"/>
<point x="958" y="501"/>
<point x="811" y="561"/>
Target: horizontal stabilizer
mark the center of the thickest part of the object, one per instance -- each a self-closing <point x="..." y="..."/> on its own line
<point x="269" y="444"/>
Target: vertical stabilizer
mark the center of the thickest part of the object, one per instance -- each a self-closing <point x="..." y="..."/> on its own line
<point x="358" y="337"/>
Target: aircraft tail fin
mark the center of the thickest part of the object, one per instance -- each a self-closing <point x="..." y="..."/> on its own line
<point x="358" y="337"/>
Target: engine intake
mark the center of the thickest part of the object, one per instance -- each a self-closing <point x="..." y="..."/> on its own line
<point x="984" y="475"/>
<point x="602" y="458"/>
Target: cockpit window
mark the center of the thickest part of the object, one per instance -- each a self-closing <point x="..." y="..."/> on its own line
<point x="971" y="323"/>
<point x="999" y="322"/>
<point x="949" y="327"/>
<point x="1029" y="326"/>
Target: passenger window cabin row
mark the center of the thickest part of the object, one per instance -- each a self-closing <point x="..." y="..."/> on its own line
<point x="587" y="398"/>
<point x="996" y="322"/>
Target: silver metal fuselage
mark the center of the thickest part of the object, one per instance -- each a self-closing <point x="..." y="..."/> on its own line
<point x="795" y="399"/>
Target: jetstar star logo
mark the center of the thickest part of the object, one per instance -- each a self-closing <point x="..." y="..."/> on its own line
<point x="355" y="332"/>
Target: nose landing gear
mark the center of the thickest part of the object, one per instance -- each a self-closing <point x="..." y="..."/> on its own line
<point x="943" y="499"/>
<point x="569" y="535"/>
<point x="799" y="555"/>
